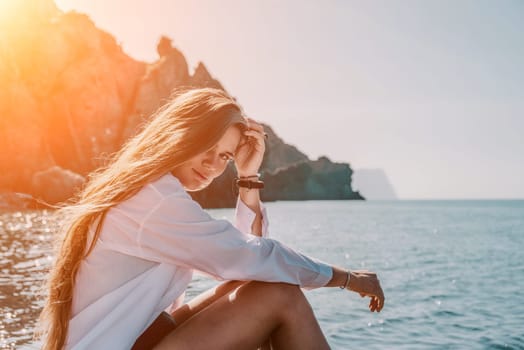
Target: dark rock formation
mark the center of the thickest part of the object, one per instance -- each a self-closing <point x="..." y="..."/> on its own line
<point x="56" y="185"/>
<point x="13" y="201"/>
<point x="304" y="180"/>
<point x="201" y="77"/>
<point x="279" y="154"/>
<point x="156" y="85"/>
<point x="71" y="96"/>
<point x="320" y="179"/>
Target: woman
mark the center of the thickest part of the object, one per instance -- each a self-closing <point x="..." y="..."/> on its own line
<point x="134" y="237"/>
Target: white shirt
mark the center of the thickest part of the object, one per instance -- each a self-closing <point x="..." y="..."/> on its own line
<point x="145" y="256"/>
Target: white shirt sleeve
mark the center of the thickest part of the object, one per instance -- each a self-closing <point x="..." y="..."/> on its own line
<point x="178" y="231"/>
<point x="244" y="218"/>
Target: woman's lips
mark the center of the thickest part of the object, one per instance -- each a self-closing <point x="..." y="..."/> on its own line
<point x="200" y="176"/>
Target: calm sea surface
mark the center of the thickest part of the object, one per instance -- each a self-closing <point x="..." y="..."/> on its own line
<point x="452" y="271"/>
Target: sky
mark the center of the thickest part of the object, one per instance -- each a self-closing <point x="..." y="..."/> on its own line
<point x="430" y="91"/>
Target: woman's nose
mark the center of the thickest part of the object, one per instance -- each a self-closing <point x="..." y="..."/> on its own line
<point x="210" y="161"/>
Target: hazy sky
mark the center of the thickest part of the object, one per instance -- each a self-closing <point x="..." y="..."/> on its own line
<point x="430" y="91"/>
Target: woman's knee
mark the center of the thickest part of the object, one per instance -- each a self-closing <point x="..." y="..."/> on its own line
<point x="280" y="294"/>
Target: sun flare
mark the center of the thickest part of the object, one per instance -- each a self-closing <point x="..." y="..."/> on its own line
<point x="7" y="7"/>
<point x="11" y="11"/>
<point x="18" y="12"/>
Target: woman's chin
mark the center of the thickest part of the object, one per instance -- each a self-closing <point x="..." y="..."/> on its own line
<point x="195" y="187"/>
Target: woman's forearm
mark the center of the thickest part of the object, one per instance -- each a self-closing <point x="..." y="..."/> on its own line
<point x="339" y="278"/>
<point x="251" y="198"/>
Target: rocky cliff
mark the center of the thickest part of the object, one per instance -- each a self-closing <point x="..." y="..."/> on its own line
<point x="70" y="97"/>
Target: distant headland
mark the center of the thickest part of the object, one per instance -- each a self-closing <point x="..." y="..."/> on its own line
<point x="71" y="97"/>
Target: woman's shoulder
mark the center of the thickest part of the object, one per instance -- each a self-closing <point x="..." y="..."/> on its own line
<point x="164" y="198"/>
<point x="166" y="186"/>
<point x="153" y="195"/>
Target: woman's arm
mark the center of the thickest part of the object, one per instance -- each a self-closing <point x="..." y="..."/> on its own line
<point x="363" y="282"/>
<point x="251" y="198"/>
<point x="248" y="160"/>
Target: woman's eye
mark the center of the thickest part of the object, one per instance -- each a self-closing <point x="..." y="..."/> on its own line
<point x="225" y="157"/>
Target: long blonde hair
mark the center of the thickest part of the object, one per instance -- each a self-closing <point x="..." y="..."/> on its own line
<point x="190" y="123"/>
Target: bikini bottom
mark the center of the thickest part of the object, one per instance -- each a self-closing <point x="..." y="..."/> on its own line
<point x="157" y="331"/>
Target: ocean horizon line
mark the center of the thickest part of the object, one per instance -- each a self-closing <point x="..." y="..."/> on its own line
<point x="412" y="200"/>
<point x="449" y="199"/>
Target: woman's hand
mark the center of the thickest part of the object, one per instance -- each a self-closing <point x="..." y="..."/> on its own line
<point x="367" y="284"/>
<point x="250" y="152"/>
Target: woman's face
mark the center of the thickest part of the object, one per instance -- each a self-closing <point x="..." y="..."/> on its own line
<point x="199" y="171"/>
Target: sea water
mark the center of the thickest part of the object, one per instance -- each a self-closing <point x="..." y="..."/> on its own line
<point x="452" y="271"/>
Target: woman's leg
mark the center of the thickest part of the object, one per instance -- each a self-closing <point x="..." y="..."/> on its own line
<point x="203" y="300"/>
<point x="246" y="317"/>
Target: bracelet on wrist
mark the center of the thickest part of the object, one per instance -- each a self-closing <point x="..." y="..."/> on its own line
<point x="348" y="278"/>
<point x="249" y="184"/>
<point x="250" y="177"/>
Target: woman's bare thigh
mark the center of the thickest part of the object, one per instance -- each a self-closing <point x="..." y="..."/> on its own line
<point x="241" y="319"/>
<point x="203" y="300"/>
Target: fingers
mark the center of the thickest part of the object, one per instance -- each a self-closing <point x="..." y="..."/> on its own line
<point x="372" y="304"/>
<point x="255" y="129"/>
<point x="377" y="301"/>
<point x="381" y="300"/>
<point x="255" y="133"/>
<point x="254" y="142"/>
<point x="254" y="125"/>
<point x="250" y="151"/>
<point x="375" y="304"/>
<point x="253" y="138"/>
<point x="368" y="284"/>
